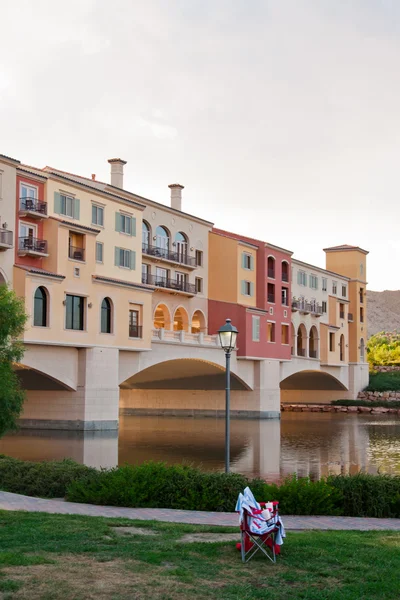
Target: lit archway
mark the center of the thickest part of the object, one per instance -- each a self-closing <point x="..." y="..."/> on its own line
<point x="313" y="343"/>
<point x="301" y="340"/>
<point x="162" y="317"/>
<point x="198" y="322"/>
<point x="181" y="320"/>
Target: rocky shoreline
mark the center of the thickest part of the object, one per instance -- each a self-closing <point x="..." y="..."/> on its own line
<point x="376" y="396"/>
<point x="374" y="410"/>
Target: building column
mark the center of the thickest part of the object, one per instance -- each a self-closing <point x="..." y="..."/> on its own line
<point x="358" y="378"/>
<point x="266" y="385"/>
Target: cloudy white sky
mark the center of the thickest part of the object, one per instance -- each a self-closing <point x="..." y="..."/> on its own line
<point x="280" y="117"/>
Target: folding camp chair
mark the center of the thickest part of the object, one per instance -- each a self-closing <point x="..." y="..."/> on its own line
<point x="251" y="542"/>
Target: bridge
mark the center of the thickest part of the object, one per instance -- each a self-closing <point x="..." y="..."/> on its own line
<point x="183" y="374"/>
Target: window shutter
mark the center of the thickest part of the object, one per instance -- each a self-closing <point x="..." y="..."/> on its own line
<point x="118" y="222"/>
<point x="117" y="256"/>
<point x="77" y="208"/>
<point x="243" y="287"/>
<point x="133" y="260"/>
<point x="57" y="203"/>
<point x="298" y="277"/>
<point x="251" y="289"/>
<point x="133" y="226"/>
<point x="243" y="260"/>
<point x="316" y="283"/>
<point x="305" y="278"/>
<point x="252" y="263"/>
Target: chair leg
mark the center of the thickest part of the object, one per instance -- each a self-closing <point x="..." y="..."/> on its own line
<point x="242" y="545"/>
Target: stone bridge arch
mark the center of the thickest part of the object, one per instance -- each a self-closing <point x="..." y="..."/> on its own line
<point x="48" y="368"/>
<point x="312" y="380"/>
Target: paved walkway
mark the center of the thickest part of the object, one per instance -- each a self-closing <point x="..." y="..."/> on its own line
<point x="10" y="501"/>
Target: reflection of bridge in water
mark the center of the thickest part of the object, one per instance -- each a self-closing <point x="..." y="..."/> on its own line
<point x="307" y="443"/>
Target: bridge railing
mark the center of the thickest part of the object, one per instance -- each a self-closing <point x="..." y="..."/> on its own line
<point x="184" y="337"/>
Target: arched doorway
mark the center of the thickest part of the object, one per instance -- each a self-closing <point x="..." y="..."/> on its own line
<point x="362" y="350"/>
<point x="162" y="317"/>
<point x="271" y="267"/>
<point x="181" y="320"/>
<point x="285" y="271"/>
<point x="313" y="343"/>
<point x="198" y="322"/>
<point x="181" y="246"/>
<point x="341" y="344"/>
<point x="162" y="241"/>
<point x="301" y="340"/>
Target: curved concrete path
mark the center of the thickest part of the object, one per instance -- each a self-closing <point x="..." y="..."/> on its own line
<point x="10" y="501"/>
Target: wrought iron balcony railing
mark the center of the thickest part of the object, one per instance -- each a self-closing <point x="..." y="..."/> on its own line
<point x="135" y="331"/>
<point x="166" y="254"/>
<point x="31" y="244"/>
<point x="285" y="277"/>
<point x="271" y="298"/>
<point x="271" y="273"/>
<point x="350" y="317"/>
<point x="301" y="352"/>
<point x="313" y="354"/>
<point x="307" y="307"/>
<point x="167" y="282"/>
<point x="6" y="237"/>
<point x="34" y="205"/>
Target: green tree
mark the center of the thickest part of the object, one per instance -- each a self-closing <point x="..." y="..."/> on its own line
<point x="12" y="322"/>
<point x="384" y="349"/>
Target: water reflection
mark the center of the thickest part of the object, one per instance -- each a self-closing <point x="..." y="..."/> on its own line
<point x="312" y="444"/>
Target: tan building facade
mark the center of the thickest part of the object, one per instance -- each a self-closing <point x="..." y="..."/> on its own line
<point x="8" y="168"/>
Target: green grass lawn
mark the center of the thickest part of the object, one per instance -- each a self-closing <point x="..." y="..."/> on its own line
<point x="54" y="557"/>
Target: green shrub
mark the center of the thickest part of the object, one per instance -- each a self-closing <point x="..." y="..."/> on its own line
<point x="365" y="495"/>
<point x="384" y="349"/>
<point x="156" y="485"/>
<point x="384" y="382"/>
<point x="43" y="479"/>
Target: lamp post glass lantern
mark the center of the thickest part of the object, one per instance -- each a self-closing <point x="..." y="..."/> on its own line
<point x="227" y="338"/>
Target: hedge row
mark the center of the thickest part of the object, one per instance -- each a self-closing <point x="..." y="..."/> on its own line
<point x="156" y="485"/>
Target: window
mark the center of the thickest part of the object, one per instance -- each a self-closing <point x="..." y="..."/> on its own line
<point x="66" y="205"/>
<point x="344" y="291"/>
<point x="145" y="273"/>
<point x="285" y="313"/>
<point x="40" y="308"/>
<point x="145" y="236"/>
<point x="134" y="328"/>
<point x="74" y="312"/>
<point x="313" y="282"/>
<point x="247" y="261"/>
<point x="99" y="252"/>
<point x="247" y="288"/>
<point x="162" y="240"/>
<point x="270" y="332"/>
<point x="199" y="258"/>
<point x="271" y="292"/>
<point x="301" y="278"/>
<point x="324" y="284"/>
<point x="125" y="258"/>
<point x="285" y="334"/>
<point x="106" y="316"/>
<point x="161" y="275"/>
<point x="285" y="296"/>
<point x="361" y="295"/>
<point x="125" y="224"/>
<point x="76" y="243"/>
<point x="181" y="246"/>
<point x="285" y="271"/>
<point x="271" y="310"/>
<point x="331" y="342"/>
<point x="271" y="267"/>
<point x="28" y="195"/>
<point x="361" y="315"/>
<point x="97" y="215"/>
<point x="27" y="232"/>
<point x="324" y="306"/>
<point x="199" y="285"/>
<point x="341" y="311"/>
<point x="334" y="287"/>
<point x="77" y="272"/>
<point x="255" y="322"/>
<point x="181" y="280"/>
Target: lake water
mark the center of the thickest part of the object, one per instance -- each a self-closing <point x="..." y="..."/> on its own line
<point x="312" y="444"/>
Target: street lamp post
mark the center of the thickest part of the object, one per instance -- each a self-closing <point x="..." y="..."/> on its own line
<point x="227" y="338"/>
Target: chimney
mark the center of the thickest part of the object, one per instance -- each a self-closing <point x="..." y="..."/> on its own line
<point x="93" y="176"/>
<point x="176" y="195"/>
<point x="117" y="172"/>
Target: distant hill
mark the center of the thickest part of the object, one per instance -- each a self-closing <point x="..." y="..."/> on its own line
<point x="383" y="311"/>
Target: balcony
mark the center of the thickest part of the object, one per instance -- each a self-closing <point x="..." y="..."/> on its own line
<point x="135" y="331"/>
<point x="30" y="207"/>
<point x="6" y="239"/>
<point x="350" y="317"/>
<point x="285" y="301"/>
<point x="169" y="284"/>
<point x="341" y="314"/>
<point x="271" y="273"/>
<point x="307" y="308"/>
<point x="301" y="352"/>
<point x="184" y="337"/>
<point x="271" y="298"/>
<point x="285" y="277"/>
<point x="76" y="253"/>
<point x="30" y="246"/>
<point x="313" y="353"/>
<point x="164" y="254"/>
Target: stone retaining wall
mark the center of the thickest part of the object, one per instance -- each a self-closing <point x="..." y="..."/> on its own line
<point x="374" y="396"/>
<point x="338" y="409"/>
<point x="385" y="369"/>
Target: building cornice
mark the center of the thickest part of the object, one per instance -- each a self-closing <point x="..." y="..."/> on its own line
<point x="9" y="160"/>
<point x="346" y="248"/>
<point x="31" y="174"/>
<point x="41" y="273"/>
<point x="76" y="226"/>
<point x="122" y="283"/>
<point x="296" y="261"/>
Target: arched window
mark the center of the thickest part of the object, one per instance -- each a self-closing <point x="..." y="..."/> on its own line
<point x="106" y="316"/>
<point x="162" y="240"/>
<point x="198" y="322"/>
<point x="301" y="340"/>
<point x="271" y="267"/>
<point x="285" y="271"/>
<point x="313" y="342"/>
<point x="341" y="344"/>
<point x="145" y="236"/>
<point x="181" y="246"/>
<point x="40" y="307"/>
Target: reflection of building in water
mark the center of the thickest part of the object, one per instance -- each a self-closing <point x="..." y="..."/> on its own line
<point x="317" y="445"/>
<point x="92" y="448"/>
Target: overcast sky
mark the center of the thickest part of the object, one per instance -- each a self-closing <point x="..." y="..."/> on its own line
<point x="280" y="117"/>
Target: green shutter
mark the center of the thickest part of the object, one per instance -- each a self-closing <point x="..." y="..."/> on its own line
<point x="251" y="288"/>
<point x="298" y="277"/>
<point x="57" y="203"/>
<point x="117" y="256"/>
<point x="133" y="226"/>
<point x="133" y="260"/>
<point x="243" y="260"/>
<point x="305" y="278"/>
<point x="252" y="263"/>
<point x="77" y="208"/>
<point x="243" y="286"/>
<point x="118" y="222"/>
